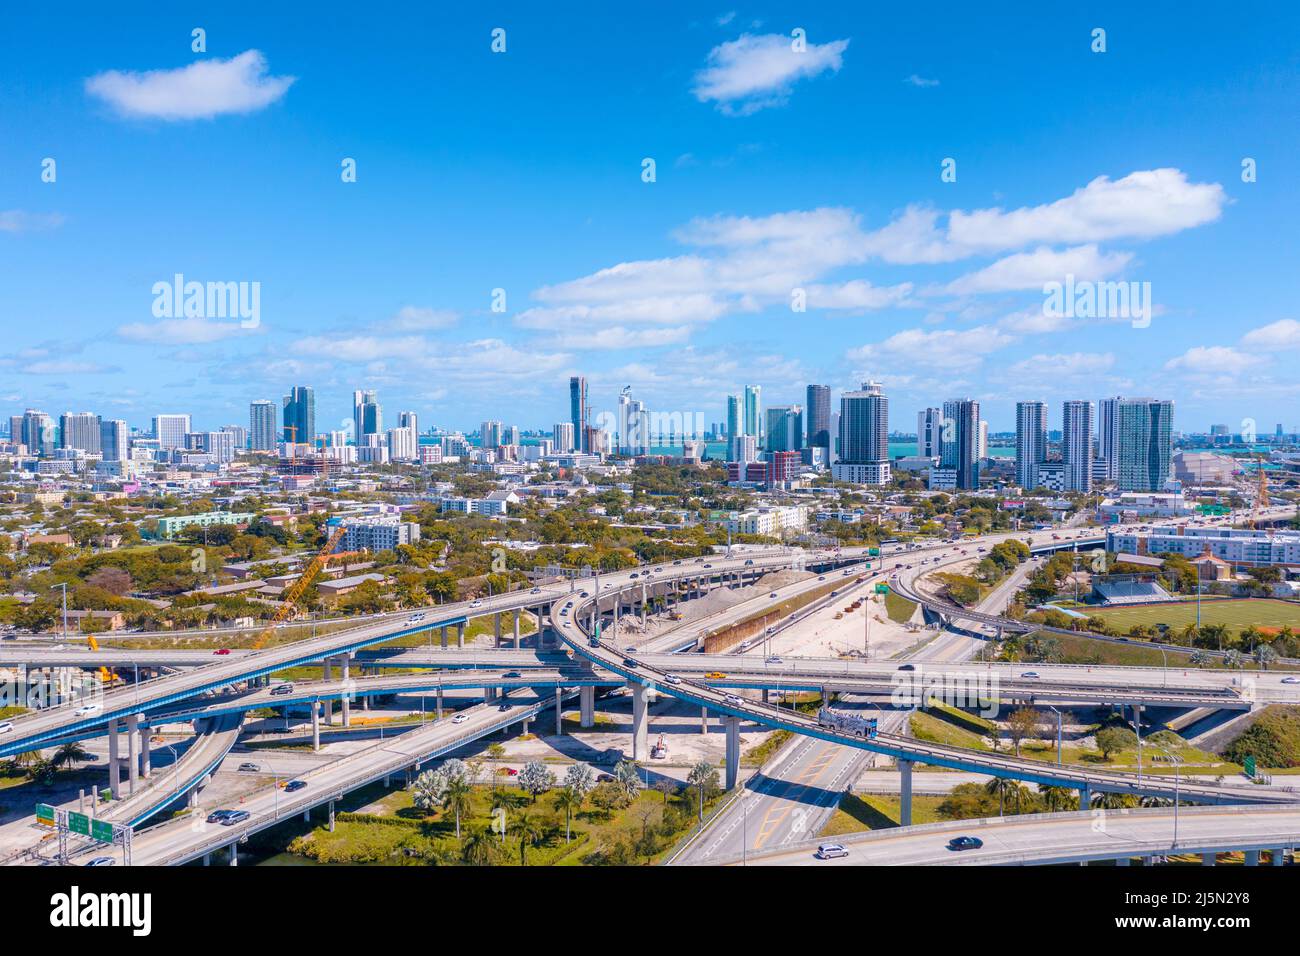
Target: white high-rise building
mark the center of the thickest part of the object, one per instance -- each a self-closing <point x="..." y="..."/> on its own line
<point x="864" y="437"/>
<point x="633" y="426"/>
<point x="1108" y="435"/>
<point x="170" y="430"/>
<point x="1031" y="442"/>
<point x="403" y="445"/>
<point x="929" y="432"/>
<point x="1076" y="445"/>
<point x="562" y="433"/>
<point x="80" y="430"/>
<point x="261" y="426"/>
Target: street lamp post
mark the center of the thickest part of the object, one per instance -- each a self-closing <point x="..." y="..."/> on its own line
<point x="1177" y="762"/>
<point x="1058" y="733"/>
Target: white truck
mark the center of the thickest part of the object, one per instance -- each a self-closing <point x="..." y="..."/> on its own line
<point x="853" y="724"/>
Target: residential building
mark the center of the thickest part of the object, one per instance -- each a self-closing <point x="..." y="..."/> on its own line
<point x="864" y="437"/>
<point x="261" y="426"/>
<point x="1076" y="445"/>
<point x="1031" y="441"/>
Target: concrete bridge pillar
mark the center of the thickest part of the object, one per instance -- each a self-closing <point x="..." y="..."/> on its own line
<point x="905" y="793"/>
<point x="645" y="606"/>
<point x="132" y="738"/>
<point x="345" y="672"/>
<point x="1252" y="858"/>
<point x="496" y="629"/>
<point x="331" y="816"/>
<point x="704" y="720"/>
<point x="489" y="694"/>
<point x="539" y="630"/>
<point x="617" y="601"/>
<point x="733" y="750"/>
<point x="559" y="717"/>
<point x="315" y="725"/>
<point x="587" y="707"/>
<point x="1209" y="859"/>
<point x="640" y="721"/>
<point x="443" y="631"/>
<point x="114" y="766"/>
<point x="1279" y="856"/>
<point x="1085" y="797"/>
<point x="826" y="697"/>
<point x="524" y="729"/>
<point x="767" y="696"/>
<point x="145" y="767"/>
<point x="234" y="854"/>
<point x="460" y="635"/>
<point x="440" y="703"/>
<point x="328" y="704"/>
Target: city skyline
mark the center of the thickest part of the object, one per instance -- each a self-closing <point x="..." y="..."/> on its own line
<point x="683" y="288"/>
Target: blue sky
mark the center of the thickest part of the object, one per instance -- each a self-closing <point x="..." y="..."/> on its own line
<point x="776" y="171"/>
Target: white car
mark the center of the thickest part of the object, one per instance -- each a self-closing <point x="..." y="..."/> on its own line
<point x="460" y="718"/>
<point x="668" y="679"/>
<point x="6" y="727"/>
<point x="1285" y="680"/>
<point x="830" y="851"/>
<point x="86" y="711"/>
<point x="475" y="603"/>
<point x="733" y="700"/>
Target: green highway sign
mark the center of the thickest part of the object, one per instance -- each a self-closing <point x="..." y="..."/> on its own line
<point x="873" y="552"/>
<point x="101" y="830"/>
<point x="45" y="814"/>
<point x="882" y="588"/>
<point x="1249" y="766"/>
<point x="79" y="823"/>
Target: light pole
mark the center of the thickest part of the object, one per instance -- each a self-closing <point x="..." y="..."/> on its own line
<point x="1177" y="762"/>
<point x="1058" y="733"/>
<point x="64" y="586"/>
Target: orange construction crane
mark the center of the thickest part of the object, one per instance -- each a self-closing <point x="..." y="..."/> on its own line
<point x="296" y="589"/>
<point x="1261" y="493"/>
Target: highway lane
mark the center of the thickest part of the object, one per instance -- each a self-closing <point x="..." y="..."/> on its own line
<point x="1058" y="838"/>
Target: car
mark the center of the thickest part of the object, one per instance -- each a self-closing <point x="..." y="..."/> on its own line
<point x="677" y="562"/>
<point x="628" y="662"/>
<point x="6" y="726"/>
<point x="564" y="612"/>
<point x="221" y="652"/>
<point x="512" y="674"/>
<point x="512" y="771"/>
<point x="631" y="650"/>
<point x="965" y="843"/>
<point x="733" y="700"/>
<point x="774" y="660"/>
<point x="772" y="595"/>
<point x="699" y="561"/>
<point x="830" y="851"/>
<point x="634" y="574"/>
<point x="748" y="562"/>
<point x="475" y="603"/>
<point x="505" y="705"/>
<point x="1285" y="680"/>
<point x="101" y="861"/>
<point x="583" y="594"/>
<point x="1029" y="675"/>
<point x="593" y="642"/>
<point x="672" y="679"/>
<point x="821" y="577"/>
<point x="279" y="690"/>
<point x="604" y="778"/>
<point x="216" y="816"/>
<point x="460" y="718"/>
<point x="907" y="667"/>
<point x="236" y="816"/>
<point x="250" y="768"/>
<point x="715" y="675"/>
<point x="535" y="591"/>
<point x="86" y="711"/>
<point x="293" y="786"/>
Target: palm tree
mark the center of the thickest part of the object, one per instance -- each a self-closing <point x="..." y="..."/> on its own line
<point x="530" y="831"/>
<point x="1199" y="657"/>
<point x="1058" y="798"/>
<point x="701" y="776"/>
<point x="456" y="799"/>
<point x="568" y="801"/>
<point x="70" y="753"/>
<point x="477" y="848"/>
<point x="1108" y="800"/>
<point x="1265" y="655"/>
<point x="625" y="775"/>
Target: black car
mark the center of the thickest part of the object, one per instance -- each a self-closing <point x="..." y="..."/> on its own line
<point x="217" y="816"/>
<point x="593" y="641"/>
<point x="294" y="785"/>
<point x="965" y="843"/>
<point x="235" y="816"/>
<point x="906" y="667"/>
<point x="504" y="706"/>
<point x="628" y="662"/>
<point x="512" y="674"/>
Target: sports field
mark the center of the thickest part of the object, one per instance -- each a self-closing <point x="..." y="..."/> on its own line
<point x="1262" y="612"/>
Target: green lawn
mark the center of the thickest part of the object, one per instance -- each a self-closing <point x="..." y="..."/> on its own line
<point x="1262" y="612"/>
<point x="874" y="811"/>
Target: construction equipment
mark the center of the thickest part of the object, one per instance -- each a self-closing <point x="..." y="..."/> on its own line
<point x="1260" y="504"/>
<point x="296" y="589"/>
<point x="106" y="676"/>
<point x="660" y="750"/>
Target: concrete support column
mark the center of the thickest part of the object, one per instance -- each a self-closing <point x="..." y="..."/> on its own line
<point x="460" y="635"/>
<point x="207" y="859"/>
<point x="733" y="750"/>
<point x="145" y="767"/>
<point x="443" y="630"/>
<point x="645" y="606"/>
<point x="640" y="720"/>
<point x="306" y="814"/>
<point x="524" y="729"/>
<point x="1279" y="856"/>
<point x="496" y="629"/>
<point x="704" y="720"/>
<point x="587" y="707"/>
<point x="440" y="703"/>
<point x="234" y="854"/>
<point x="559" y="717"/>
<point x="905" y="793"/>
<point x="345" y="671"/>
<point x="331" y="816"/>
<point x="767" y="696"/>
<point x="1209" y="859"/>
<point x="1085" y="797"/>
<point x="539" y="630"/>
<point x="114" y="766"/>
<point x="489" y="694"/>
<point x="132" y="736"/>
<point x="315" y="726"/>
<point x="1252" y="858"/>
<point x="617" y="601"/>
<point x="826" y="697"/>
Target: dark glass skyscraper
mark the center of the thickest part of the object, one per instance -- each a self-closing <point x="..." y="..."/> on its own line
<point x="819" y="417"/>
<point x="300" y="415"/>
<point x="578" y="411"/>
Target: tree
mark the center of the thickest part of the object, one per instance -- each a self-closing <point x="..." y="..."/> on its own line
<point x="536" y="778"/>
<point x="477" y="849"/>
<point x="580" y="778"/>
<point x="447" y="788"/>
<point x="529" y="831"/>
<point x="1110" y="740"/>
<point x="1021" y="724"/>
<point x="1058" y="798"/>
<point x="114" y="580"/>
<point x="667" y="786"/>
<point x="704" y="778"/>
<point x="1265" y="655"/>
<point x="71" y="753"/>
<point x="567" y="801"/>
<point x="456" y="799"/>
<point x="625" y="776"/>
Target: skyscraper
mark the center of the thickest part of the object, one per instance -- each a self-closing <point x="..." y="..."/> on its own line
<point x="367" y="415"/>
<point x="409" y="420"/>
<point x="753" y="411"/>
<point x="1076" y="445"/>
<point x="864" y="437"/>
<point x="1144" y="443"/>
<point x="300" y="415"/>
<point x="37" y="432"/>
<point x="261" y="425"/>
<point x="959" y="441"/>
<point x="114" y="439"/>
<point x="170" y="430"/>
<point x="785" y="428"/>
<point x="819" y="417"/>
<point x="562" y="433"/>
<point x="929" y="432"/>
<point x="80" y="430"/>
<point x="1108" y="435"/>
<point x="1031" y="441"/>
<point x="633" y="425"/>
<point x="489" y="434"/>
<point x="579" y="411"/>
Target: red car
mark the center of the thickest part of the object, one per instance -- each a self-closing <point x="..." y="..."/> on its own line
<point x="223" y="652"/>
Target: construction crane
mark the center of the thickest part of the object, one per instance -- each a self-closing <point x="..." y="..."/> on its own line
<point x="1261" y="493"/>
<point x="296" y="589"/>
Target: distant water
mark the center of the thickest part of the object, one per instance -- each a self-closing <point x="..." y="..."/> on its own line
<point x="897" y="449"/>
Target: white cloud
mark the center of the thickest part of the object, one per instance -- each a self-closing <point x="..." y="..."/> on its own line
<point x="944" y="348"/>
<point x="18" y="220"/>
<point x="180" y="331"/>
<point x="65" y="367"/>
<point x="1030" y="270"/>
<point x="201" y="90"/>
<point x="725" y="18"/>
<point x="857" y="295"/>
<point x="621" y="337"/>
<point x="410" y="318"/>
<point x="1214" y="360"/>
<point x="1062" y="365"/>
<point x="1282" y="334"/>
<point x="754" y="72"/>
<point x="921" y="81"/>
